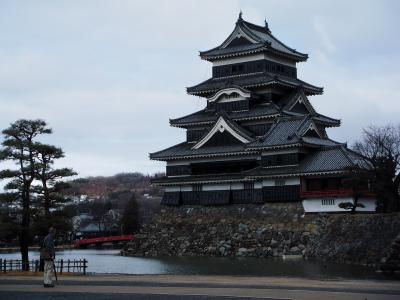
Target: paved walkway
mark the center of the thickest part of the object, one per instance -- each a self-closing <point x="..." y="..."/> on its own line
<point x="157" y="287"/>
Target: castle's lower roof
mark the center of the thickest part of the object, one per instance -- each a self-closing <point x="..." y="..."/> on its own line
<point x="325" y="161"/>
<point x="185" y="150"/>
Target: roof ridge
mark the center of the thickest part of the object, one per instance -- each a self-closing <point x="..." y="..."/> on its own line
<point x="241" y="129"/>
<point x="196" y="112"/>
<point x="256" y="27"/>
<point x="344" y="151"/>
<point x="154" y="153"/>
<point x="268" y="133"/>
<point x="308" y="117"/>
<point x="264" y="30"/>
<point x="322" y="115"/>
<point x="249" y="32"/>
<point x="231" y="124"/>
<point x="291" y="118"/>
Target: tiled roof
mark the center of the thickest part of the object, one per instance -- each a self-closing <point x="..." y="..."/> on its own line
<point x="318" y="142"/>
<point x="230" y="125"/>
<point x="327" y="159"/>
<point x="285" y="131"/>
<point x="208" y="116"/>
<point x="288" y="131"/>
<point x="213" y="85"/>
<point x="322" y="161"/>
<point x="217" y="52"/>
<point x="263" y="40"/>
<point x="294" y="97"/>
<point x="184" y="150"/>
<point x="237" y="128"/>
<point x="198" y="179"/>
<point x="327" y="121"/>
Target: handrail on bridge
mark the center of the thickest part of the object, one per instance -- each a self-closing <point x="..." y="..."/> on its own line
<point x="101" y="240"/>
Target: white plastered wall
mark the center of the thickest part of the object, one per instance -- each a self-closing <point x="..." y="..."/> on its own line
<point x="314" y="205"/>
<point x="288" y="181"/>
<point x="253" y="57"/>
<point x="182" y="188"/>
<point x="222" y="186"/>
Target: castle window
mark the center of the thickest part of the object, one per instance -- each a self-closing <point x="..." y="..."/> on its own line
<point x="197" y="187"/>
<point x="280" y="182"/>
<point x="329" y="201"/>
<point x="249" y="185"/>
<point x="232" y="96"/>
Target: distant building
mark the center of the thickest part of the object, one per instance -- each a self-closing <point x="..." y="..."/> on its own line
<point x="258" y="139"/>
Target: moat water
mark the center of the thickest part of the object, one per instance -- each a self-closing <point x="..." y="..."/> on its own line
<point x="110" y="262"/>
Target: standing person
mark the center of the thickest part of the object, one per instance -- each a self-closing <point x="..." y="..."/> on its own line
<point x="48" y="254"/>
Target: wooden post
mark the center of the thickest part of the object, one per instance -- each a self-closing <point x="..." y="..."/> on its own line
<point x="61" y="266"/>
<point x="84" y="266"/>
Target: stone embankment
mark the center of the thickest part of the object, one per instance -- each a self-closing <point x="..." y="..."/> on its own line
<point x="271" y="230"/>
<point x="390" y="262"/>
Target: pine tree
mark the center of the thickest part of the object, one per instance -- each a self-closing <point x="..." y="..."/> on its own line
<point x="19" y="146"/>
<point x="51" y="183"/>
<point x="130" y="221"/>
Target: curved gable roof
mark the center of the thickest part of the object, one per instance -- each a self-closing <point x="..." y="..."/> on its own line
<point x="224" y="124"/>
<point x="258" y="39"/>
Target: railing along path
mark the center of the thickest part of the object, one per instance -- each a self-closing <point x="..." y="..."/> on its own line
<point x="62" y="266"/>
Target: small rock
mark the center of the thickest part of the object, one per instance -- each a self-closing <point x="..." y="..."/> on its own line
<point x="243" y="227"/>
<point x="241" y="251"/>
<point x="274" y="243"/>
<point x="295" y="250"/>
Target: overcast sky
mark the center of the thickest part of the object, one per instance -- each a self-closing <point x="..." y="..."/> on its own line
<point x="107" y="75"/>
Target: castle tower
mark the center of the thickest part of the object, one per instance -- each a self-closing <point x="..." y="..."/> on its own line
<point x="258" y="139"/>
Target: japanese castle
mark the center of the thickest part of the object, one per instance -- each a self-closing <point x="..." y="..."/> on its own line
<point x="258" y="139"/>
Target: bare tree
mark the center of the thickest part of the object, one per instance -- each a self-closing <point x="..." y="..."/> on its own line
<point x="381" y="148"/>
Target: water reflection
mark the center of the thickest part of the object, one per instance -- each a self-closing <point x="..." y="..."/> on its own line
<point x="109" y="261"/>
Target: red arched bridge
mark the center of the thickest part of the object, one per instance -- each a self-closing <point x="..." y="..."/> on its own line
<point x="102" y="240"/>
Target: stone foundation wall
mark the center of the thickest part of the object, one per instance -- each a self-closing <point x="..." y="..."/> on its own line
<point x="266" y="231"/>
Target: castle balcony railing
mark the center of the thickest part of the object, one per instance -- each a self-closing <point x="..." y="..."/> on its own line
<point x="326" y="193"/>
<point x="333" y="193"/>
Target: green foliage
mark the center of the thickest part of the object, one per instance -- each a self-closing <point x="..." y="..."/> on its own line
<point x="34" y="163"/>
<point x="51" y="186"/>
<point x="350" y="205"/>
<point x="9" y="227"/>
<point x="100" y="212"/>
<point x="19" y="146"/>
<point x="356" y="179"/>
<point x="130" y="221"/>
